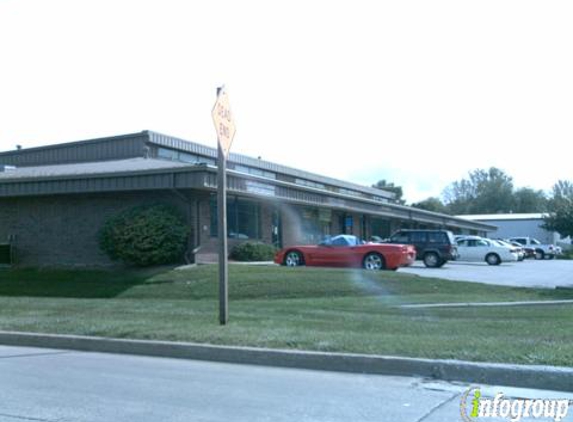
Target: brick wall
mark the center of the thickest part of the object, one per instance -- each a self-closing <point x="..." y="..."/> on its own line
<point x="62" y="230"/>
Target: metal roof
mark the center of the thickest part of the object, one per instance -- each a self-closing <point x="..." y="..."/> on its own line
<point x="118" y="164"/>
<point x="101" y="149"/>
<point x="503" y="217"/>
<point x="134" y="145"/>
<point x="86" y="169"/>
<point x="188" y="146"/>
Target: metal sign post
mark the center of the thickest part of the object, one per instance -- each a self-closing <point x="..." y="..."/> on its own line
<point x="225" y="127"/>
<point x="222" y="233"/>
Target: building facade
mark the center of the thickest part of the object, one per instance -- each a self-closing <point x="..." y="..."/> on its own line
<point x="519" y="225"/>
<point x="55" y="199"/>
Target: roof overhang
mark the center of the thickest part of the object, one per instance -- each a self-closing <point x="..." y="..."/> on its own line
<point x="204" y="177"/>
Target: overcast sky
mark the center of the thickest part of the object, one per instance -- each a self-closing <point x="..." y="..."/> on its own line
<point x="415" y="92"/>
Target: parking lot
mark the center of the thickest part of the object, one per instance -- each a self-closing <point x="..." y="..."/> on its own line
<point x="529" y="273"/>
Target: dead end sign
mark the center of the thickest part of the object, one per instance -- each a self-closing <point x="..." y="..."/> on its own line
<point x="223" y="119"/>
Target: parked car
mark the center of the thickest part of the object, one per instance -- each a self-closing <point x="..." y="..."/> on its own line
<point x="348" y="251"/>
<point x="542" y="251"/>
<point x="434" y="247"/>
<point x="527" y="250"/>
<point x="475" y="248"/>
<point x="514" y="248"/>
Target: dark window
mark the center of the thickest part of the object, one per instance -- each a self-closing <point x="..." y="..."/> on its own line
<point x="437" y="237"/>
<point x="248" y="219"/>
<point x="243" y="218"/>
<point x="380" y="227"/>
<point x="346" y="223"/>
<point x="418" y="237"/>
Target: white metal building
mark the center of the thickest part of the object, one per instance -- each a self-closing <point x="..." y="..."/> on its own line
<point x="511" y="225"/>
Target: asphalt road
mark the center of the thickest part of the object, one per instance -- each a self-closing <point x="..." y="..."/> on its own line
<point x="58" y="386"/>
<point x="528" y="273"/>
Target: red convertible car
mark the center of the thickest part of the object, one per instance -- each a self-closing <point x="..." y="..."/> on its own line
<point x="348" y="251"/>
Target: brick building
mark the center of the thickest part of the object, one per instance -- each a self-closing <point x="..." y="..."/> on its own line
<point x="54" y="199"/>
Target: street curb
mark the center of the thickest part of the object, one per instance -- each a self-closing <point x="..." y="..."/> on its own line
<point x="525" y="376"/>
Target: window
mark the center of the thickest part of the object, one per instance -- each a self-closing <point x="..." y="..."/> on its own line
<point x="310" y="184"/>
<point x="437" y="237"/>
<point x="254" y="171"/>
<point x="260" y="188"/>
<point x="243" y="218"/>
<point x="347" y="223"/>
<point x="381" y="227"/>
<point x="167" y="154"/>
<point x="350" y="192"/>
<point x="185" y="157"/>
<point x="418" y="237"/>
<point x="195" y="159"/>
<point x="311" y="228"/>
<point x="379" y="198"/>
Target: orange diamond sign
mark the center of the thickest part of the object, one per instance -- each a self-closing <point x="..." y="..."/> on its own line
<point x="223" y="119"/>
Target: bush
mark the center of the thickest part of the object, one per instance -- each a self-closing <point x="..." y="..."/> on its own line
<point x="144" y="236"/>
<point x="568" y="254"/>
<point x="250" y="251"/>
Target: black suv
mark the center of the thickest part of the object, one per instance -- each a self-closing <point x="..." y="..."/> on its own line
<point x="434" y="247"/>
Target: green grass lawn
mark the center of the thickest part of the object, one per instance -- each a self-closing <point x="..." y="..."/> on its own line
<point x="302" y="308"/>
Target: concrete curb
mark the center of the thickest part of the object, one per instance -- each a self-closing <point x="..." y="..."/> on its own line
<point x="486" y="304"/>
<point x="525" y="376"/>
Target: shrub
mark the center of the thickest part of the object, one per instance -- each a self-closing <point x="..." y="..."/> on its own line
<point x="251" y="251"/>
<point x="144" y="236"/>
<point x="568" y="254"/>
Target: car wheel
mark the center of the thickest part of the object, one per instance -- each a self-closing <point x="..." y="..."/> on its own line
<point x="442" y="263"/>
<point x="493" y="259"/>
<point x="293" y="259"/>
<point x="373" y="261"/>
<point x="539" y="254"/>
<point x="432" y="260"/>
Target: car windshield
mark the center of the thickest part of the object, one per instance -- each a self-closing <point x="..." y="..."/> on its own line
<point x="535" y="242"/>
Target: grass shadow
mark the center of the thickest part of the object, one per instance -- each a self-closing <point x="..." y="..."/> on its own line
<point x="79" y="284"/>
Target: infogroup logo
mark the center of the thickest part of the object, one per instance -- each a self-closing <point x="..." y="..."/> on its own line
<point x="474" y="407"/>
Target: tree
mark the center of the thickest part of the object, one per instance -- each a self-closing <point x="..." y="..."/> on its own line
<point x="562" y="189"/>
<point x="529" y="200"/>
<point x="432" y="204"/>
<point x="484" y="192"/>
<point x="390" y="187"/>
<point x="560" y="219"/>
